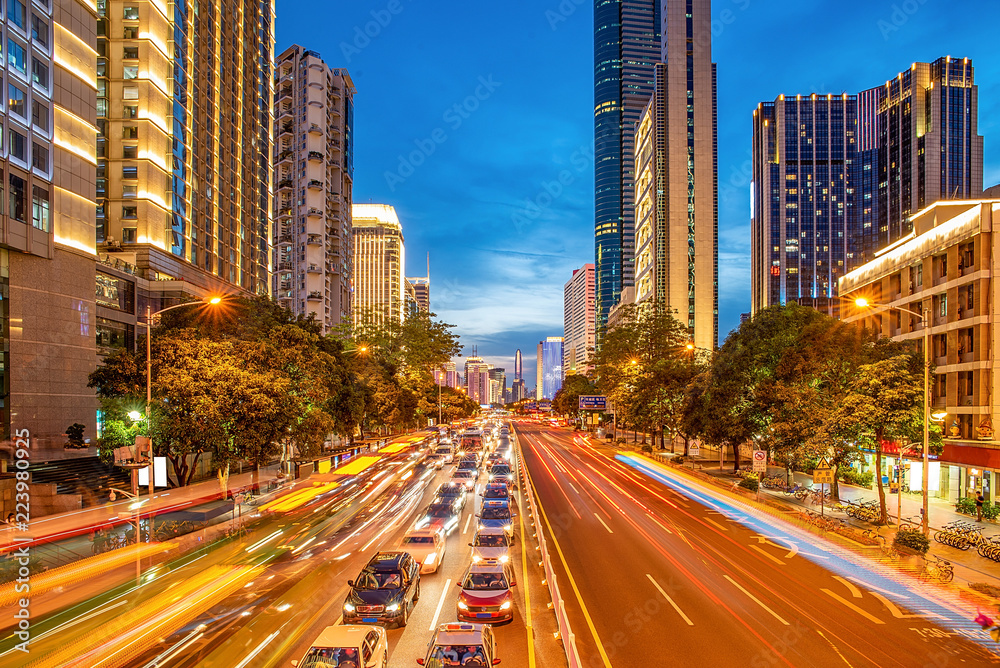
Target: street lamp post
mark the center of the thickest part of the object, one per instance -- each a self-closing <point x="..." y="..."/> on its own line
<point x="214" y="301"/>
<point x="925" y="319"/>
<point x="134" y="506"/>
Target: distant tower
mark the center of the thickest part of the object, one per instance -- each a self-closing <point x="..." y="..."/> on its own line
<point x="518" y="371"/>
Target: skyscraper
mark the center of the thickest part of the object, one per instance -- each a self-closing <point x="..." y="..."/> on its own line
<point x="184" y="143"/>
<point x="518" y="366"/>
<point x="379" y="261"/>
<point x="498" y="385"/>
<point x="314" y="177"/>
<point x="477" y="379"/>
<point x="626" y="46"/>
<point x="804" y="204"/>
<point x="550" y="367"/>
<point x="48" y="317"/>
<point x="579" y="329"/>
<point x="421" y="292"/>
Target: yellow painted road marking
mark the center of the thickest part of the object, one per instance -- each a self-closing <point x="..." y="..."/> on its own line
<point x="769" y="556"/>
<point x="757" y="601"/>
<point x="834" y="648"/>
<point x="717" y="524"/>
<point x="855" y="592"/>
<point x="669" y="600"/>
<point x="601" y="520"/>
<point x="869" y="617"/>
<point x="524" y="581"/>
<point x="895" y="611"/>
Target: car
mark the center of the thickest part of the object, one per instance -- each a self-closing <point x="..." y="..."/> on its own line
<point x="385" y="591"/>
<point x="496" y="490"/>
<point x="486" y="593"/>
<point x="458" y="644"/>
<point x="446" y="451"/>
<point x="426" y="546"/>
<point x="495" y="513"/>
<point x="347" y="647"/>
<point x="443" y="515"/>
<point x="466" y="477"/>
<point x="491" y="543"/>
<point x="469" y="463"/>
<point x="500" y="472"/>
<point x="452" y="490"/>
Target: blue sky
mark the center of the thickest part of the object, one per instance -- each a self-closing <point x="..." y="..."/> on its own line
<point x="466" y="113"/>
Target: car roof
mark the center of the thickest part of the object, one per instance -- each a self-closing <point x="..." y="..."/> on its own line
<point x="487" y="566"/>
<point x="422" y="532"/>
<point x="387" y="559"/>
<point x="491" y="531"/>
<point x="343" y="636"/>
<point x="454" y="633"/>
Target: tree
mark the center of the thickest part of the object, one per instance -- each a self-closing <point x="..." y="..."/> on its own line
<point x="567" y="399"/>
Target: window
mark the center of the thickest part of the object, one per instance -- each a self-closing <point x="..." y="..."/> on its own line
<point x="40" y="115"/>
<point x="130" y="92"/>
<point x="102" y="67"/>
<point x="40" y="73"/>
<point x="40" y="219"/>
<point x="131" y="53"/>
<point x="130" y="32"/>
<point x="18" y="145"/>
<point x="128" y="235"/>
<point x="15" y="13"/>
<point x="131" y="13"/>
<point x="129" y="192"/>
<point x="39" y="30"/>
<point x="15" y="100"/>
<point x="39" y="157"/>
<point x="130" y="132"/>
<point x="130" y="211"/>
<point x="130" y="152"/>
<point x="130" y="172"/>
<point x="943" y="304"/>
<point x="130" y="72"/>
<point x="16" y="56"/>
<point x="130" y="111"/>
<point x="18" y="194"/>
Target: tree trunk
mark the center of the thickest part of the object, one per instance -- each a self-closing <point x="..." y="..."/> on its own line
<point x="255" y="478"/>
<point x="192" y="468"/>
<point x="736" y="457"/>
<point x="835" y="487"/>
<point x="223" y="475"/>
<point x="687" y="443"/>
<point x="881" y="489"/>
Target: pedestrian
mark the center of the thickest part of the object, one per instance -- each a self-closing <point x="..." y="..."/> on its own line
<point x="979" y="506"/>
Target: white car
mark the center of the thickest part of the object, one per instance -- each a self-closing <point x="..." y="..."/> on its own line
<point x="491" y="543"/>
<point x="347" y="647"/>
<point x="426" y="546"/>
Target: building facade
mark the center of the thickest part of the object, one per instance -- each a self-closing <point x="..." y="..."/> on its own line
<point x="579" y="321"/>
<point x="550" y="367"/>
<point x="47" y="249"/>
<point x="498" y="385"/>
<point x="421" y="292"/>
<point x="184" y="142"/>
<point x="379" y="262"/>
<point x="626" y="47"/>
<point x="943" y="269"/>
<point x="804" y="212"/>
<point x="314" y="180"/>
<point x="477" y="379"/>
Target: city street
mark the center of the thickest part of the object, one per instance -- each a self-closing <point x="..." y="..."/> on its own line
<point x="645" y="562"/>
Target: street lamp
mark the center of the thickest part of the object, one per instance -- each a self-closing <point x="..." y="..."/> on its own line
<point x="134" y="506"/>
<point x="925" y="319"/>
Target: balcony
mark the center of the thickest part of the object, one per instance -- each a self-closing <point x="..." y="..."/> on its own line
<point x="315" y="269"/>
<point x="315" y="129"/>
<point x="284" y="285"/>
<point x="287" y="126"/>
<point x="285" y="183"/>
<point x="286" y="111"/>
<point x="315" y="155"/>
<point x="315" y="184"/>
<point x="284" y="92"/>
<point x="315" y="296"/>
<point x="285" y="239"/>
<point x="284" y="155"/>
<point x="314" y="240"/>
<point x="284" y="266"/>
<point x="313" y="212"/>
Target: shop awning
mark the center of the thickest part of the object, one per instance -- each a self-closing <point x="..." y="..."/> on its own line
<point x="970" y="455"/>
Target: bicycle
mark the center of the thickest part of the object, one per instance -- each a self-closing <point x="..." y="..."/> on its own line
<point x="938" y="568"/>
<point x="887" y="548"/>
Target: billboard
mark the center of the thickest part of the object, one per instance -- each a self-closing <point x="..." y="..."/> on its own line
<point x="593" y="402"/>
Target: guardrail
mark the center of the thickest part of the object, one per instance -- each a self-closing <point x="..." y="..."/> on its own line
<point x="562" y="619"/>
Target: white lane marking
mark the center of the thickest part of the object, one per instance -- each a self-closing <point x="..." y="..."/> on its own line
<point x="571" y="485"/>
<point x="249" y="657"/>
<point x="855" y="592"/>
<point x="866" y="615"/>
<point x="601" y="520"/>
<point x="670" y="600"/>
<point x="467" y="523"/>
<point x="757" y="601"/>
<point x="437" y="611"/>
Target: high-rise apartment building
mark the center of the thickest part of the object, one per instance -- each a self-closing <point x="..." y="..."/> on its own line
<point x="837" y="178"/>
<point x="421" y="292"/>
<point x="498" y="385"/>
<point x="579" y="322"/>
<point x="379" y="262"/>
<point x="477" y="379"/>
<point x="448" y="376"/>
<point x="314" y="180"/>
<point x="804" y="204"/>
<point x="550" y="367"/>
<point x="184" y="143"/>
<point x="48" y="314"/>
<point x="626" y="46"/>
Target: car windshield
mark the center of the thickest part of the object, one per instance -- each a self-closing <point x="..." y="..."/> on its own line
<point x="440" y="511"/>
<point x="444" y="451"/>
<point x="418" y="540"/>
<point x="378" y="580"/>
<point x="491" y="540"/>
<point x="495" y="514"/>
<point x="457" y="655"/>
<point x="463" y="474"/>
<point x="481" y="581"/>
<point x="500" y="468"/>
<point x="331" y="657"/>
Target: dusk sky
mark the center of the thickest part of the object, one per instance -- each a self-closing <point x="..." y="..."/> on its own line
<point x="466" y="111"/>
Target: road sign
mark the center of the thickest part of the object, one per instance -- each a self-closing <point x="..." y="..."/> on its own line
<point x="822" y="476"/>
<point x="760" y="461"/>
<point x="593" y="402"/>
<point x="694" y="450"/>
<point x="823" y="463"/>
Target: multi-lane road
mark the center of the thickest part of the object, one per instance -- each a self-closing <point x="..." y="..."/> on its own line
<point x="657" y="570"/>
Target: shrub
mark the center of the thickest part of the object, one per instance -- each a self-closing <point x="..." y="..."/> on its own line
<point x="990" y="511"/>
<point x="984" y="588"/>
<point x="852" y="477"/>
<point x="966" y="505"/>
<point x="648" y="449"/>
<point x="750" y="482"/>
<point x="679" y="459"/>
<point x="912" y="540"/>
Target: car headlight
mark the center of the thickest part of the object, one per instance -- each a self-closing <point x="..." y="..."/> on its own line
<point x="504" y="558"/>
<point x="348" y="607"/>
<point x="476" y="558"/>
<point x="392" y="608"/>
<point x="462" y="606"/>
<point x="505" y="605"/>
<point x="508" y="527"/>
<point x="430" y="559"/>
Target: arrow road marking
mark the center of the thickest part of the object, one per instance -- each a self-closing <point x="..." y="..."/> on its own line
<point x="769" y="556"/>
<point x="792" y="547"/>
<point x="855" y="592"/>
<point x="896" y="612"/>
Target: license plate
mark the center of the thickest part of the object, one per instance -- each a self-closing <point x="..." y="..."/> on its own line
<point x="484" y="615"/>
<point x="369" y="620"/>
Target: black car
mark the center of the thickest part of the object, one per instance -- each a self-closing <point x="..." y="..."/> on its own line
<point x="385" y="591"/>
<point x="441" y="514"/>
<point x="452" y="491"/>
<point x="500" y="472"/>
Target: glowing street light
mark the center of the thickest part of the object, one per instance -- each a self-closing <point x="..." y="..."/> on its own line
<point x="135" y="416"/>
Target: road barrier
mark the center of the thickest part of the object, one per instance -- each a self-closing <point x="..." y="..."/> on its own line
<point x="566" y="634"/>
